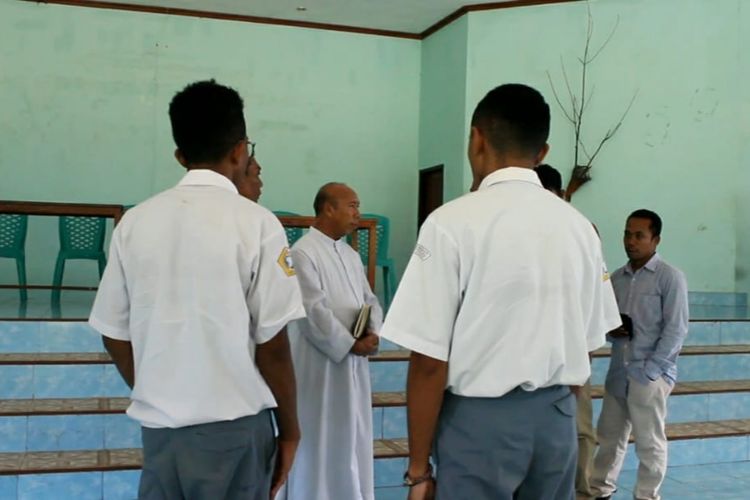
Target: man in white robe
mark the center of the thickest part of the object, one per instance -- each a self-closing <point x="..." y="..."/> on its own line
<point x="335" y="456"/>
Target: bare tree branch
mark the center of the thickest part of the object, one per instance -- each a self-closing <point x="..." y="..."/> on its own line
<point x="559" y="102"/>
<point x="579" y="104"/>
<point x="612" y="131"/>
<point x="570" y="90"/>
<point x="606" y="42"/>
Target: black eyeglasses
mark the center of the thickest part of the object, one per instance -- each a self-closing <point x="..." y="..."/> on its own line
<point x="251" y="144"/>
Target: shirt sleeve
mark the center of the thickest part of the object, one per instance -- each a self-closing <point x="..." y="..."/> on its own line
<point x="426" y="304"/>
<point x="324" y="330"/>
<point x="110" y="314"/>
<point x="274" y="297"/>
<point x="676" y="317"/>
<point x="376" y="311"/>
<point x="605" y="314"/>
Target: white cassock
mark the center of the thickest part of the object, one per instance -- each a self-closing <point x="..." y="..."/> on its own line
<point x="335" y="457"/>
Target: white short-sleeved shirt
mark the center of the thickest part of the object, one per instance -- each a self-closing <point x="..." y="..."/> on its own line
<point x="507" y="284"/>
<point x="197" y="277"/>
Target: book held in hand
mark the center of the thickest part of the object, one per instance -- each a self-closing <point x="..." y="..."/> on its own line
<point x="363" y="319"/>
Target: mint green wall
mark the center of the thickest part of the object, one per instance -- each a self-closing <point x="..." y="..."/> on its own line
<point x="679" y="149"/>
<point x="743" y="162"/>
<point x="442" y="134"/>
<point x="87" y="91"/>
<point x="84" y="94"/>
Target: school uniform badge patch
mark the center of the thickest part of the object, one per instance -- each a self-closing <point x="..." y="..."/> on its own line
<point x="285" y="261"/>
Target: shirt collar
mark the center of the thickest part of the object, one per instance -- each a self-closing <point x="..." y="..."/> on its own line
<point x="205" y="177"/>
<point x="323" y="236"/>
<point x="510" y="174"/>
<point x="651" y="265"/>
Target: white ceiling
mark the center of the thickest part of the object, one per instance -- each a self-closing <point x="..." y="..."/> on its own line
<point x="413" y="16"/>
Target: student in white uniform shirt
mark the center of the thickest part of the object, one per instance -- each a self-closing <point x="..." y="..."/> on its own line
<point x="335" y="456"/>
<point x="193" y="307"/>
<point x="505" y="295"/>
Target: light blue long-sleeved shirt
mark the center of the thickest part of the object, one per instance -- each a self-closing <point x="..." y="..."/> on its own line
<point x="656" y="298"/>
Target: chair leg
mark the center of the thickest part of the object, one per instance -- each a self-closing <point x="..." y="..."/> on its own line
<point x="57" y="281"/>
<point x="386" y="288"/>
<point x="102" y="264"/>
<point x="21" y="269"/>
<point x="391" y="283"/>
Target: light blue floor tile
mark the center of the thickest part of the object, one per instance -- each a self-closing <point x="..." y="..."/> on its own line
<point x="113" y="385"/>
<point x="708" y="451"/>
<point x="388" y="376"/>
<point x="696" y="474"/>
<point x="731" y="367"/>
<point x="69" y="381"/>
<point x="16" y="382"/>
<point x="68" y="337"/>
<point x="121" y="485"/>
<point x="695" y="368"/>
<point x="77" y="486"/>
<point x="12" y="434"/>
<point x="735" y="332"/>
<point x="391" y="493"/>
<point x="19" y="336"/>
<point x="718" y="312"/>
<point x="717" y="298"/>
<point x="631" y="461"/>
<point x="387" y="345"/>
<point x="389" y="471"/>
<point x="377" y="423"/>
<point x="729" y="406"/>
<point x="121" y="431"/>
<point x="599" y="367"/>
<point x="688" y="408"/>
<point x="65" y="432"/>
<point x="734" y="469"/>
<point x="596" y="406"/>
<point x="394" y="422"/>
<point x="8" y="487"/>
<point x="704" y="333"/>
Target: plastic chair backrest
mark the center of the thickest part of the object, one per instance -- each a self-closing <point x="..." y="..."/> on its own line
<point x="13" y="234"/>
<point x="382" y="232"/>
<point x="292" y="233"/>
<point x="82" y="236"/>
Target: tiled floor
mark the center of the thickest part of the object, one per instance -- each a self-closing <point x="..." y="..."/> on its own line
<point x="707" y="482"/>
<point x="77" y="304"/>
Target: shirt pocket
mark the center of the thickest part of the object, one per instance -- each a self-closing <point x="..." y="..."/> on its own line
<point x="647" y="312"/>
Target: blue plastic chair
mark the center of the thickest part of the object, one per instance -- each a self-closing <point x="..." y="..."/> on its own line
<point x="382" y="231"/>
<point x="292" y="233"/>
<point x="80" y="238"/>
<point x="13" y="229"/>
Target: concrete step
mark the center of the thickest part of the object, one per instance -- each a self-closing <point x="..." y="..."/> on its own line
<point x="103" y="405"/>
<point x="40" y="462"/>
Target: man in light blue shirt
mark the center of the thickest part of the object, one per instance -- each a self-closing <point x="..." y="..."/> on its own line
<point x="653" y="300"/>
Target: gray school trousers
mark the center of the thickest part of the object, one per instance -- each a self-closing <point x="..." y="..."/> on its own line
<point x="521" y="446"/>
<point x="220" y="460"/>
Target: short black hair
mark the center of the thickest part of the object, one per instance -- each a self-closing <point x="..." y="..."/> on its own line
<point x="324" y="196"/>
<point x="515" y="118"/>
<point x="653" y="217"/>
<point x="207" y="121"/>
<point x="549" y="177"/>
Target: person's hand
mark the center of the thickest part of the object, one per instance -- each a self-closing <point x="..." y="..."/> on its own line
<point x="619" y="333"/>
<point x="284" y="460"/>
<point x="576" y="390"/>
<point x="365" y="345"/>
<point x="422" y="491"/>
